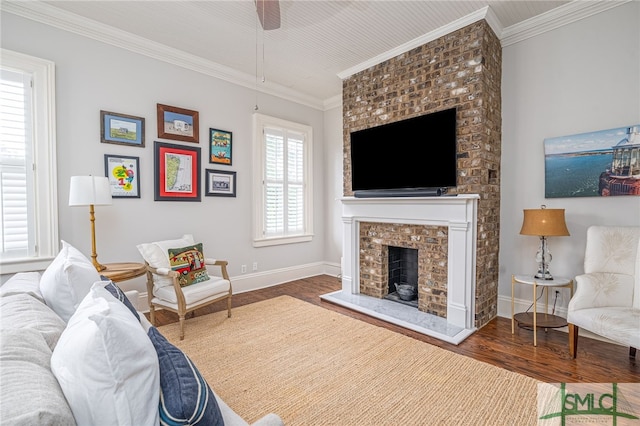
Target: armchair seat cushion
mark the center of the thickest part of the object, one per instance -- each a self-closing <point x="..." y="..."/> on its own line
<point x="213" y="287"/>
<point x="618" y="324"/>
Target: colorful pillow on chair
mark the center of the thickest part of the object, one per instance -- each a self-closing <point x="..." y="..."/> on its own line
<point x="189" y="262"/>
<point x="155" y="254"/>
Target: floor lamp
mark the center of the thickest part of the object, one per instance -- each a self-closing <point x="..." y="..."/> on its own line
<point x="543" y="223"/>
<point x="90" y="191"/>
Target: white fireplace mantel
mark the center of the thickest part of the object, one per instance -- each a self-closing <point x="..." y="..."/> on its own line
<point x="457" y="213"/>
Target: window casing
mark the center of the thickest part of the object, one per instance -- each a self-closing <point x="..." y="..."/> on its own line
<point x="282" y="181"/>
<point x="28" y="206"/>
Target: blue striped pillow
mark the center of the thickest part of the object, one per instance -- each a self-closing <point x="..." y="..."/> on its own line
<point x="185" y="396"/>
<point x="116" y="292"/>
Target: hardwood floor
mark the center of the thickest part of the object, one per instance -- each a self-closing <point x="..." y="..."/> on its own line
<point x="597" y="362"/>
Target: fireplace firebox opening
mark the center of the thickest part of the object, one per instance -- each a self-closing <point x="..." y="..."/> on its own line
<point x="403" y="275"/>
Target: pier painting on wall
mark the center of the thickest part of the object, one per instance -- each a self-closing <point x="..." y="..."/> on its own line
<point x="600" y="163"/>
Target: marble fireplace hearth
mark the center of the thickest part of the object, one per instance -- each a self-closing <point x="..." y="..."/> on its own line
<point x="459" y="215"/>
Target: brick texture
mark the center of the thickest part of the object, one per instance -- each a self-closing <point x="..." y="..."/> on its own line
<point x="463" y="70"/>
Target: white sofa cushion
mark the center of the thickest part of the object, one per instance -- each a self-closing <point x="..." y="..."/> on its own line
<point x="106" y="365"/>
<point x="22" y="311"/>
<point x="29" y="392"/>
<point x="21" y="283"/>
<point x="156" y="255"/>
<point x="67" y="280"/>
<point x="621" y="325"/>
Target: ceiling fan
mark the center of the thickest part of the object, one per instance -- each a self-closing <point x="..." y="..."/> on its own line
<point x="269" y="13"/>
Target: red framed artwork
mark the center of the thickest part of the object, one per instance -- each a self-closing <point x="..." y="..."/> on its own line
<point x="177" y="172"/>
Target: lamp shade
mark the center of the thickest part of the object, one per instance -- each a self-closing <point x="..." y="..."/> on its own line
<point x="544" y="223"/>
<point x="89" y="190"/>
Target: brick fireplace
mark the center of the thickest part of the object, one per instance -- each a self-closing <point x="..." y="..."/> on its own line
<point x="442" y="229"/>
<point x="463" y="70"/>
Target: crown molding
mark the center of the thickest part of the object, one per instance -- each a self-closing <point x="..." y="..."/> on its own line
<point x="556" y="18"/>
<point x="423" y="39"/>
<point x="52" y="16"/>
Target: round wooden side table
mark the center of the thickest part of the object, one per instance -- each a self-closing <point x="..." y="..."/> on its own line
<point x="123" y="271"/>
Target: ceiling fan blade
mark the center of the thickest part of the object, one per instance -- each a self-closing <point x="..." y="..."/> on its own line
<point x="269" y="13"/>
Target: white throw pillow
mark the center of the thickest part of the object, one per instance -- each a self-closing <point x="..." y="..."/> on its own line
<point x="67" y="281"/>
<point x="156" y="255"/>
<point x="106" y="365"/>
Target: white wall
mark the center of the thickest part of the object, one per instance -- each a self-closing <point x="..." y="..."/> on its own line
<point x="333" y="170"/>
<point x="93" y="76"/>
<point x="582" y="77"/>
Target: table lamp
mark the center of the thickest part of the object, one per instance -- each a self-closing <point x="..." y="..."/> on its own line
<point x="544" y="222"/>
<point x="90" y="191"/>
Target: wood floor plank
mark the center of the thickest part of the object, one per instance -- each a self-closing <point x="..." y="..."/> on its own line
<point x="597" y="361"/>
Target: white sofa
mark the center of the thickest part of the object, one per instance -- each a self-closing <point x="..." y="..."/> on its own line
<point x="607" y="297"/>
<point x="42" y="379"/>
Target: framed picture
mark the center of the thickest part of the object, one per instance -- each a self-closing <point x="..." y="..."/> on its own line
<point x="121" y="129"/>
<point x="177" y="172"/>
<point x="124" y="175"/>
<point x="220" y="183"/>
<point x="220" y="147"/>
<point x="178" y="124"/>
<point x="602" y="163"/>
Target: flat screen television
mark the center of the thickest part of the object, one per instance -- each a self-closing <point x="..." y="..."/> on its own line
<point x="412" y="157"/>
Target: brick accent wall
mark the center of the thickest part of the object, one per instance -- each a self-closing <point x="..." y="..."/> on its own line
<point x="462" y="69"/>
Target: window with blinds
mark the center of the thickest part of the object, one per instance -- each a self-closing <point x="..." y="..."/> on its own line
<point x="28" y="217"/>
<point x="16" y="202"/>
<point x="283" y="160"/>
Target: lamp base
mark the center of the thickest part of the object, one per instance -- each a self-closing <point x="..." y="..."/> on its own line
<point x="543" y="276"/>
<point x="99" y="267"/>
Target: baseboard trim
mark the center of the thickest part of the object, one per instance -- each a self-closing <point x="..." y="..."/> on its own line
<point x="256" y="281"/>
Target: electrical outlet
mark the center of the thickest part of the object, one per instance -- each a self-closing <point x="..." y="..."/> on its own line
<point x="243" y="269"/>
<point x="255" y="266"/>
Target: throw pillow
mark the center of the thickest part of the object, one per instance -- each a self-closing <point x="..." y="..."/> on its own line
<point x="189" y="263"/>
<point x="155" y="254"/>
<point x="67" y="280"/>
<point x="106" y="364"/>
<point x="185" y="396"/>
<point x="116" y="292"/>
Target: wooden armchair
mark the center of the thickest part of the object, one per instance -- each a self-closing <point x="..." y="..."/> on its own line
<point x="181" y="280"/>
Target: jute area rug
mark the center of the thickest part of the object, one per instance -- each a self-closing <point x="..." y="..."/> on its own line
<point x="313" y="366"/>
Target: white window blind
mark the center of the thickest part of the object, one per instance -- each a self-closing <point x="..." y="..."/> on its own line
<point x="283" y="207"/>
<point x="16" y="202"/>
<point x="28" y="207"/>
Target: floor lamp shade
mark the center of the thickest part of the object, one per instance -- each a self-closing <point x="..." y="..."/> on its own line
<point x="90" y="191"/>
<point x="544" y="223"/>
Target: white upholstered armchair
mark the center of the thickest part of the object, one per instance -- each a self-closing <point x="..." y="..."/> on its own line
<point x="180" y="280"/>
<point x="607" y="297"/>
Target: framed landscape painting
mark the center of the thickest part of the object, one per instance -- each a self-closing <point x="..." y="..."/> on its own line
<point x="177" y="172"/>
<point x="121" y="129"/>
<point x="601" y="163"/>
